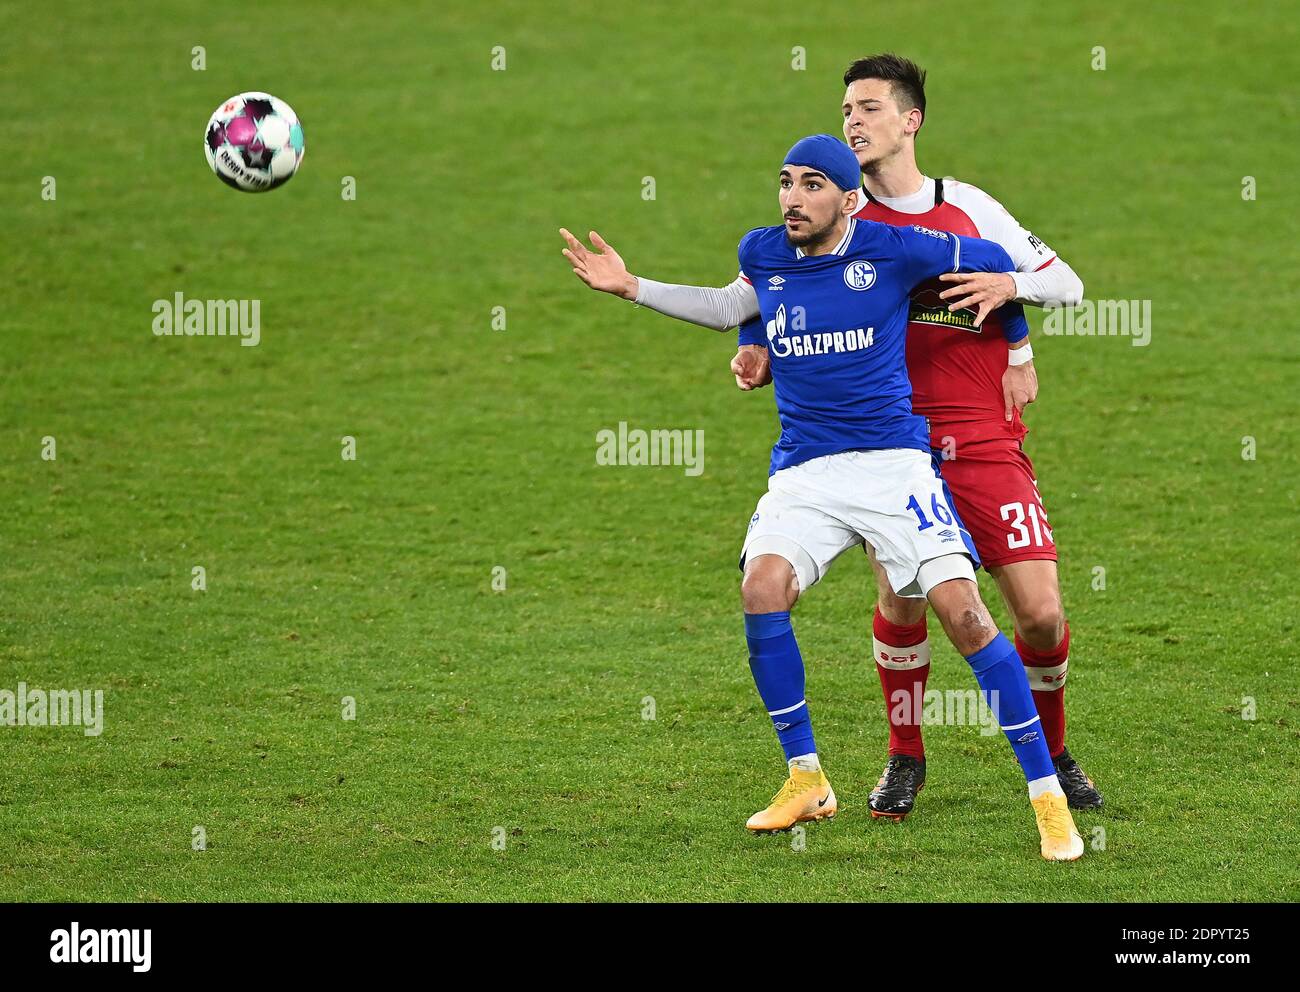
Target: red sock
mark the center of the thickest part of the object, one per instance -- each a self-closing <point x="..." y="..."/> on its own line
<point x="902" y="656"/>
<point x="1046" y="671"/>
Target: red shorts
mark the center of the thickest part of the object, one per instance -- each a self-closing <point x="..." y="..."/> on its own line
<point x="993" y="486"/>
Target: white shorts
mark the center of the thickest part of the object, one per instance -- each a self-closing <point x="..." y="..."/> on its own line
<point x="893" y="499"/>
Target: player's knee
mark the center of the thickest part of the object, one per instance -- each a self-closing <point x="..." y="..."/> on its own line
<point x="905" y="612"/>
<point x="963" y="614"/>
<point x="972" y="626"/>
<point x="769" y="585"/>
<point x="1041" y="624"/>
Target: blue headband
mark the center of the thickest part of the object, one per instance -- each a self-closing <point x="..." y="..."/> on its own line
<point x="829" y="156"/>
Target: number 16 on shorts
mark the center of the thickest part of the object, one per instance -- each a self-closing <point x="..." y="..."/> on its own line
<point x="940" y="512"/>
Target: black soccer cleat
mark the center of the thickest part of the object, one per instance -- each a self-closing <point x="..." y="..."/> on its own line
<point x="1078" y="787"/>
<point x="895" y="793"/>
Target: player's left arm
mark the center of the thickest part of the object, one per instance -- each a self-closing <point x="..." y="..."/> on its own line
<point x="926" y="253"/>
<point x="930" y="253"/>
<point x="1039" y="276"/>
<point x="1056" y="285"/>
<point x="965" y="254"/>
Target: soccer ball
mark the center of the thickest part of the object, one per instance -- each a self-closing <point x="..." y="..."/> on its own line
<point x="254" y="142"/>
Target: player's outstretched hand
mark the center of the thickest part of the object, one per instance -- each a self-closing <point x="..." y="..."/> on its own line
<point x="1019" y="387"/>
<point x="980" y="291"/>
<point x="751" y="367"/>
<point x="604" y="271"/>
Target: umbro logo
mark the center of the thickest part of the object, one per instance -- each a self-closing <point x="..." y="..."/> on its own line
<point x="1027" y="738"/>
<point x="775" y="283"/>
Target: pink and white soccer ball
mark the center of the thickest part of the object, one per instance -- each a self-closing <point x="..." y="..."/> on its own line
<point x="254" y="142"/>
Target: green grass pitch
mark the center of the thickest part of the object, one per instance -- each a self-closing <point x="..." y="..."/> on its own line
<point x="516" y="716"/>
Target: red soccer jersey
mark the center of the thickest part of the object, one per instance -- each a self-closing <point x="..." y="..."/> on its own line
<point x="956" y="368"/>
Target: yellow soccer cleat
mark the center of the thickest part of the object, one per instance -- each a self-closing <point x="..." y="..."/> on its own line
<point x="805" y="796"/>
<point x="1060" y="841"/>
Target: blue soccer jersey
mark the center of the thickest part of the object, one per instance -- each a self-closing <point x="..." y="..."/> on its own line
<point x="836" y="328"/>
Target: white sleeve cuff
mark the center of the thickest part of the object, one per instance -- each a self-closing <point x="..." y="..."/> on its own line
<point x="1054" y="285"/>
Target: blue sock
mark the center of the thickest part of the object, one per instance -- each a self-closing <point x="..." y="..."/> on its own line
<point x="1001" y="675"/>
<point x="777" y="666"/>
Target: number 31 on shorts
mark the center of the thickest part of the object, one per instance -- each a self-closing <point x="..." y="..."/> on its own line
<point x="1015" y="514"/>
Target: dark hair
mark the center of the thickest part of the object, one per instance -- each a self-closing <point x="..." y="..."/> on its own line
<point x="906" y="78"/>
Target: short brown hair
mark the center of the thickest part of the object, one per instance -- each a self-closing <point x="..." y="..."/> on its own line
<point x="906" y="78"/>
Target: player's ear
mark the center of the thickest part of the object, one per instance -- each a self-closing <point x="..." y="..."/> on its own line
<point x="850" y="205"/>
<point x="913" y="122"/>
